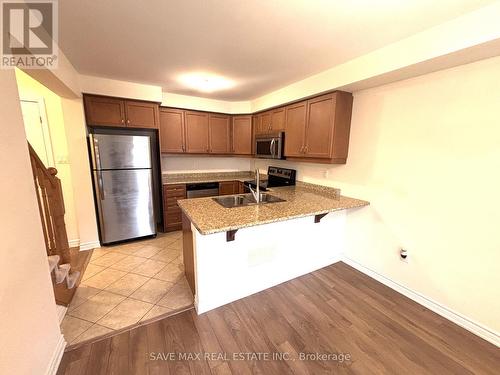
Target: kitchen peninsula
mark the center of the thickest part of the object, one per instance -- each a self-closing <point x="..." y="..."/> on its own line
<point x="230" y="253"/>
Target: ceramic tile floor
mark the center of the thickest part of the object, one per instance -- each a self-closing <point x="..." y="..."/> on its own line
<point x="127" y="284"/>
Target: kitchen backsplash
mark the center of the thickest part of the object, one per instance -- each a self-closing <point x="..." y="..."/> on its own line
<point x="186" y="164"/>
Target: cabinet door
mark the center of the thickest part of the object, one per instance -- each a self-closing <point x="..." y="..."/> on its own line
<point x="196" y="126"/>
<point x="265" y="123"/>
<point x="228" y="187"/>
<point x="219" y="126"/>
<point x="171" y="130"/>
<point x="141" y="114"/>
<point x="241" y="187"/>
<point x="104" y="111"/>
<point x="242" y="135"/>
<point x="319" y="131"/>
<point x="295" y="127"/>
<point x="257" y="121"/>
<point x="278" y="120"/>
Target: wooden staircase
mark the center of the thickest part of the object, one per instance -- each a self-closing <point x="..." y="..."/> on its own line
<point x="64" y="263"/>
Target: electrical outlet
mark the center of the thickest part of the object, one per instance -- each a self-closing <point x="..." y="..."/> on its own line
<point x="403" y="255"/>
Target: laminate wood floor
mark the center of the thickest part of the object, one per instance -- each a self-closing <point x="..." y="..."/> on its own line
<point x="362" y="326"/>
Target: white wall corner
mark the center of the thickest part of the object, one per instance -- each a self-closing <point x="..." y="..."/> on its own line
<point x="57" y="356"/>
<point x="453" y="316"/>
<point x="61" y="312"/>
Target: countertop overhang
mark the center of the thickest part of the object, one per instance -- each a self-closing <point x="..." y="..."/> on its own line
<point x="301" y="200"/>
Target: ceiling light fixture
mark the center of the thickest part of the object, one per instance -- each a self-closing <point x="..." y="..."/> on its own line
<point x="205" y="82"/>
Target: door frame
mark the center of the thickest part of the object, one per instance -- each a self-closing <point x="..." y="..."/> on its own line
<point x="47" y="139"/>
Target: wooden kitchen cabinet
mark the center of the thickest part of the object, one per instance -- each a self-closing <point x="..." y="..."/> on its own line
<point x="263" y="123"/>
<point x="142" y="114"/>
<point x="172" y="214"/>
<point x="241" y="130"/>
<point x="219" y="133"/>
<point x="172" y="130"/>
<point x="278" y="120"/>
<point x="106" y="111"/>
<point x="196" y="131"/>
<point x="324" y="134"/>
<point x="229" y="187"/>
<point x="295" y="129"/>
<point x="270" y="121"/>
<point x="241" y="187"/>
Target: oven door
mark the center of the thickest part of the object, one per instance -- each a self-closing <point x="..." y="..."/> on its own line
<point x="268" y="147"/>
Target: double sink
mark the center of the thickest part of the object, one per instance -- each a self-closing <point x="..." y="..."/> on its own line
<point x="231" y="201"/>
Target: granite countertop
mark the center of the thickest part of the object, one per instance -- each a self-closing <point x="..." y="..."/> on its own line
<point x="192" y="178"/>
<point x="302" y="200"/>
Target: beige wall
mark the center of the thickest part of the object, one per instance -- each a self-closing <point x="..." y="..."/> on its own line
<point x="425" y="152"/>
<point x="30" y="89"/>
<point x="29" y="330"/>
<point x="76" y="134"/>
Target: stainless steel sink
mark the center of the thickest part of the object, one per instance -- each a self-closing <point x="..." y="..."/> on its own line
<point x="230" y="201"/>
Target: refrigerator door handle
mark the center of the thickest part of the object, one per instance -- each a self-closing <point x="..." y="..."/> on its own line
<point x="96" y="160"/>
<point x="100" y="184"/>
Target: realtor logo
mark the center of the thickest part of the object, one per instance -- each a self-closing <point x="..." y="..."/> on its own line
<point x="29" y="34"/>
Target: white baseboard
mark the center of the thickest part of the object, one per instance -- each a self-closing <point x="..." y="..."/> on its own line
<point x="74" y="243"/>
<point x="89" y="245"/>
<point x="56" y="357"/>
<point x="445" y="312"/>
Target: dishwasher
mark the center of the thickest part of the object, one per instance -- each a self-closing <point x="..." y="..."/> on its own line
<point x="206" y="189"/>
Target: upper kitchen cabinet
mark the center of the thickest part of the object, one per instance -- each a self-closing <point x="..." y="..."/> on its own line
<point x="295" y="129"/>
<point x="241" y="129"/>
<point x="172" y="130"/>
<point x="324" y="135"/>
<point x="270" y="121"/>
<point x="106" y="111"/>
<point x="278" y="120"/>
<point x="219" y="133"/>
<point x="263" y="123"/>
<point x="196" y="132"/>
<point x="142" y="114"/>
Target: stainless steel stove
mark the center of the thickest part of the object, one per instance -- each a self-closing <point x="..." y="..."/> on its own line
<point x="276" y="177"/>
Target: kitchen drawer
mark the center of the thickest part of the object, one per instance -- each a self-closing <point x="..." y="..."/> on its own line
<point x="170" y="203"/>
<point x="173" y="210"/>
<point x="175" y="193"/>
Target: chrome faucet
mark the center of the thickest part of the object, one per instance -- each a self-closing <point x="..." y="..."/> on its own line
<point x="256" y="192"/>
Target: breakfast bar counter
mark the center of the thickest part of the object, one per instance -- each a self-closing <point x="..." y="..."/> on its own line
<point x="301" y="200"/>
<point x="275" y="242"/>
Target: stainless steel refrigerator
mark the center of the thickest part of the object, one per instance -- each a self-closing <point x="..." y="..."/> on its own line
<point x="122" y="173"/>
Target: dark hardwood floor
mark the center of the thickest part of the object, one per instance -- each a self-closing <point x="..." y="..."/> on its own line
<point x="336" y="310"/>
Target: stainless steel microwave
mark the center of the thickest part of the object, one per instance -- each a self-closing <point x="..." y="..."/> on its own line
<point x="269" y="146"/>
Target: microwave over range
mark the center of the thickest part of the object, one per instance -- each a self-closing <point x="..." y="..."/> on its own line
<point x="270" y="146"/>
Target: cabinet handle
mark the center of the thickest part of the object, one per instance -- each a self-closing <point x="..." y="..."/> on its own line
<point x="123" y="121"/>
<point x="306" y="149"/>
<point x="128" y="122"/>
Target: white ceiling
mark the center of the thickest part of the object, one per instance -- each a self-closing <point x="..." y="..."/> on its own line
<point x="261" y="44"/>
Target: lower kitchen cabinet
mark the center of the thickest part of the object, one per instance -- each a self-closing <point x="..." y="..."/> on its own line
<point x="172" y="214"/>
<point x="229" y="187"/>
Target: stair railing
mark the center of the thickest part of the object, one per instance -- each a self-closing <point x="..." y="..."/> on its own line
<point x="51" y="206"/>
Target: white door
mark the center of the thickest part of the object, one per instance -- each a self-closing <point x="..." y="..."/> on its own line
<point x="37" y="132"/>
